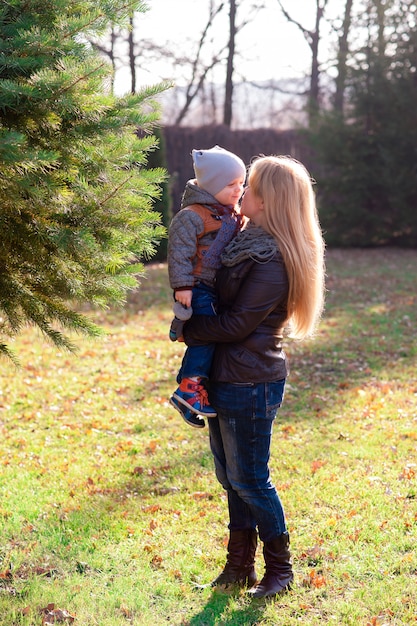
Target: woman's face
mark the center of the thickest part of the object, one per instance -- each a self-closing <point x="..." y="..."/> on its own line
<point x="252" y="206"/>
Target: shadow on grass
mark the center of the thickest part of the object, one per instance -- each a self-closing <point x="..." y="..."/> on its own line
<point x="218" y="611"/>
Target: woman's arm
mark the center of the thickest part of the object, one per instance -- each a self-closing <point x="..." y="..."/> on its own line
<point x="263" y="290"/>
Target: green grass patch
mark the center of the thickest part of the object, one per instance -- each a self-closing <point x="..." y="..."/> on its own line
<point x="109" y="507"/>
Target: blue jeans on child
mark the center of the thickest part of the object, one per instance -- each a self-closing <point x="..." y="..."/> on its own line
<point x="197" y="359"/>
<point x="240" y="438"/>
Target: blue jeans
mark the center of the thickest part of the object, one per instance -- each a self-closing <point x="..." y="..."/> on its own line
<point x="197" y="359"/>
<point x="240" y="438"/>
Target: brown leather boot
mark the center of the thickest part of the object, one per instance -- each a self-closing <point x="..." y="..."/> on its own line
<point x="278" y="569"/>
<point x="240" y="562"/>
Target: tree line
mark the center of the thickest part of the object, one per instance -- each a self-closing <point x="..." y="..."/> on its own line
<point x="359" y="106"/>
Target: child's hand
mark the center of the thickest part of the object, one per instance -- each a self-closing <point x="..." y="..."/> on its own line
<point x="184" y="297"/>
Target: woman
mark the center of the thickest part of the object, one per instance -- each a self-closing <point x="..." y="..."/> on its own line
<point x="272" y="277"/>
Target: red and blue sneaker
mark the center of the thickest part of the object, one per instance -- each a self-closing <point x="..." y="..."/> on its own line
<point x="191" y="418"/>
<point x="193" y="395"/>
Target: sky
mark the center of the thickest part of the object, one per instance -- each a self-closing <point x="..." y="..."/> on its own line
<point x="268" y="47"/>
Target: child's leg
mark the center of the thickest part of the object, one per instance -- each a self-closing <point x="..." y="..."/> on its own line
<point x="197" y="360"/>
<point x="196" y="363"/>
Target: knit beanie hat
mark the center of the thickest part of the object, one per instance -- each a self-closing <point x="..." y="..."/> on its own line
<point x="216" y="168"/>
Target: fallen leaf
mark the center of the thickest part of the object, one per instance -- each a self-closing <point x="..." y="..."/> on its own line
<point x="316" y="465"/>
<point x="51" y="615"/>
<point x="313" y="555"/>
<point x="314" y="579"/>
<point x="157" y="561"/>
<point x="408" y="473"/>
<point x="6" y="574"/>
<point x="201" y="495"/>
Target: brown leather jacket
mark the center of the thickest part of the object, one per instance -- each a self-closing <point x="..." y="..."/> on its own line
<point x="248" y="329"/>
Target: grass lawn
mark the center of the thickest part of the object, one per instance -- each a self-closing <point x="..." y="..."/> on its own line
<point x="109" y="508"/>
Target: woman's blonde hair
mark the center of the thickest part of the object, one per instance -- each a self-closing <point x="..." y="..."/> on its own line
<point x="290" y="215"/>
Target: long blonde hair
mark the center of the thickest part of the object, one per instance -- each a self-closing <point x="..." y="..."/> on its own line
<point x="290" y="215"/>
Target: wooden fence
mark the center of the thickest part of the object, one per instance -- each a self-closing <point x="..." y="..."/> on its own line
<point x="180" y="141"/>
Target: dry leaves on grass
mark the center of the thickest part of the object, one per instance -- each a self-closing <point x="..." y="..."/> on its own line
<point x="316" y="555"/>
<point x="314" y="579"/>
<point x="8" y="576"/>
<point x="52" y="615"/>
<point x="383" y="619"/>
<point x="316" y="465"/>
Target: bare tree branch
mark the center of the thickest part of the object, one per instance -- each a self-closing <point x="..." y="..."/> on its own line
<point x="198" y="77"/>
<point x="308" y="34"/>
<point x="192" y="93"/>
<point x="274" y="86"/>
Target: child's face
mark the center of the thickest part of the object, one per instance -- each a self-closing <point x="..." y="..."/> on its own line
<point x="231" y="193"/>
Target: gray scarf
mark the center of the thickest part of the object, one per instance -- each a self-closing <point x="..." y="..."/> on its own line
<point x="253" y="242"/>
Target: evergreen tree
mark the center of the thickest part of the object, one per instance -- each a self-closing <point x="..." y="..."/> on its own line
<point x="76" y="215"/>
<point x="163" y="203"/>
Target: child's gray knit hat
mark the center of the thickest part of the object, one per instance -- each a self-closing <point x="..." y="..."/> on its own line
<point x="216" y="168"/>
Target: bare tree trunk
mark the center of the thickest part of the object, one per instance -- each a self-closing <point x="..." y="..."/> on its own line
<point x="341" y="59"/>
<point x="369" y="116"/>
<point x="131" y="44"/>
<point x="228" y="96"/>
<point x="113" y="38"/>
<point x="110" y="53"/>
<point x="375" y="54"/>
<point x="313" y="100"/>
<point x="313" y="39"/>
<point x="380" y="10"/>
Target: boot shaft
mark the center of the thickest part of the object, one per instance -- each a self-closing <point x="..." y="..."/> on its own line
<point x="241" y="548"/>
<point x="278" y="569"/>
<point x="240" y="563"/>
<point x="277" y="554"/>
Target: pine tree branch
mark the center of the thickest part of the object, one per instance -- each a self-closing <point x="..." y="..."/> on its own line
<point x="4" y="350"/>
<point x="115" y="190"/>
<point x="85" y="26"/>
<point x="127" y="6"/>
<point x="80" y="79"/>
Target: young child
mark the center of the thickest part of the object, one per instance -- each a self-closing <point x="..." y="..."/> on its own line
<point x="206" y="222"/>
